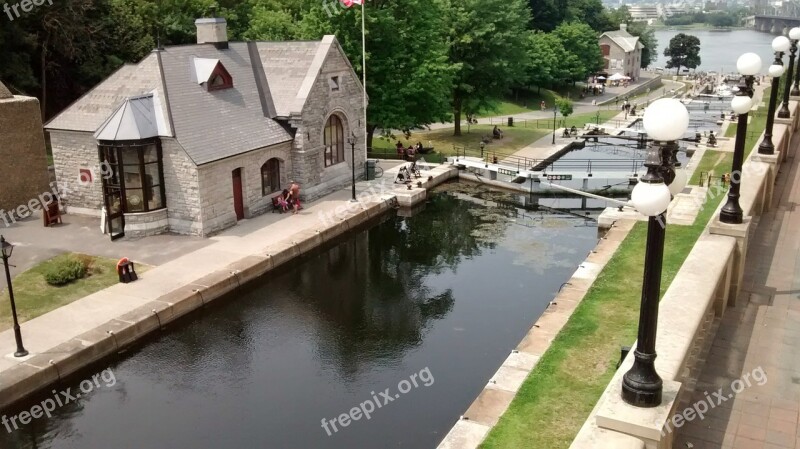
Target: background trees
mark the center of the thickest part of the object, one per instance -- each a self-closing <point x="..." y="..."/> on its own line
<point x="683" y="51"/>
<point x="428" y="60"/>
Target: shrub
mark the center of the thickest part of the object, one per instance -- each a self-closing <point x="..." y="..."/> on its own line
<point x="65" y="271"/>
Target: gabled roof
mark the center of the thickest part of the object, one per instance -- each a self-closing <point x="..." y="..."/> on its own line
<point x="270" y="79"/>
<point x="624" y="40"/>
<point x="4" y="92"/>
<point x="136" y="119"/>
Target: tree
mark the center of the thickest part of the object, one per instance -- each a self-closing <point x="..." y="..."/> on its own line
<point x="487" y="46"/>
<point x="564" y="106"/>
<point x="581" y="40"/>
<point x="409" y="77"/>
<point x="647" y="37"/>
<point x="619" y="16"/>
<point x="683" y="51"/>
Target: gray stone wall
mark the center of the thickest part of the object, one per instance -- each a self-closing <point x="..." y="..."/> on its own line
<point x="216" y="186"/>
<point x="182" y="184"/>
<point x="315" y="179"/>
<point x="23" y="158"/>
<point x="147" y="223"/>
<point x="73" y="151"/>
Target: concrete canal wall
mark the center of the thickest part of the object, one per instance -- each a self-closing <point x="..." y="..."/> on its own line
<point x="105" y="323"/>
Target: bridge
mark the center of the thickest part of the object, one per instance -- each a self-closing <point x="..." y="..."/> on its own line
<point x="775" y="19"/>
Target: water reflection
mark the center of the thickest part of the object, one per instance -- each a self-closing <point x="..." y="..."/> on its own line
<point x="453" y="288"/>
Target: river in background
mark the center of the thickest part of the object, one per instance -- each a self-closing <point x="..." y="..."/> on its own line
<point x="719" y="50"/>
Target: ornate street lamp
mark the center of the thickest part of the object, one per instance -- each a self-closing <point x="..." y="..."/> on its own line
<point x="666" y="120"/>
<point x="794" y="35"/>
<point x="749" y="64"/>
<point x="352" y="141"/>
<point x="6" y="249"/>
<point x="780" y="44"/>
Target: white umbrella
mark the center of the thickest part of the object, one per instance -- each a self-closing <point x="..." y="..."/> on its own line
<point x="617" y="77"/>
<point x="601" y="77"/>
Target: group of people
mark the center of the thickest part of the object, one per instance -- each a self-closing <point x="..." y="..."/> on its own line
<point x="408" y="154"/>
<point x="290" y="198"/>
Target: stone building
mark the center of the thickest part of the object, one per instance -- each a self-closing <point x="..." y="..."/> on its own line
<point x="23" y="171"/>
<point x="194" y="138"/>
<point x="622" y="52"/>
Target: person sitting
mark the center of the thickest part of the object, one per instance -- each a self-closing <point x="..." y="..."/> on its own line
<point x="283" y="200"/>
<point x="565" y="133"/>
<point x="712" y="139"/>
<point x="573" y="130"/>
<point x="496" y="133"/>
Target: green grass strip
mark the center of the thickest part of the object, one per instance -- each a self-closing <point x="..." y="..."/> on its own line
<point x="557" y="397"/>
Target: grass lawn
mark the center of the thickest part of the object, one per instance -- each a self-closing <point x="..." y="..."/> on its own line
<point x="717" y="161"/>
<point x="35" y="297"/>
<point x="529" y="100"/>
<point x="558" y="395"/>
<point x="515" y="138"/>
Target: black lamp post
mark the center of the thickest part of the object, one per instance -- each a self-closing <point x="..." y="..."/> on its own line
<point x="794" y="35"/>
<point x="6" y="249"/>
<point x="780" y="44"/>
<point x="352" y="141"/>
<point x="665" y="120"/>
<point x="748" y="64"/>
<point x="555" y="111"/>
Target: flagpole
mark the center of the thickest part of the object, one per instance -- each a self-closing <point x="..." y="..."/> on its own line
<point x="364" y="72"/>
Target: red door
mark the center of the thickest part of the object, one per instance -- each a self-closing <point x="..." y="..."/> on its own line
<point x="238" y="204"/>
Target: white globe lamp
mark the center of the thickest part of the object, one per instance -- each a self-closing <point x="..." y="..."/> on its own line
<point x="741" y="104"/>
<point x="781" y="43"/>
<point x="748" y="64"/>
<point x="650" y="199"/>
<point x="666" y="119"/>
<point x="775" y="71"/>
<point x="794" y="33"/>
<point x="680" y="181"/>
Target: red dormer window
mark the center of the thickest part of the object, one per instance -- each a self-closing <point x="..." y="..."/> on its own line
<point x="219" y="79"/>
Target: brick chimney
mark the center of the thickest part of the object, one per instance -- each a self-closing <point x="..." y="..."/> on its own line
<point x="212" y="31"/>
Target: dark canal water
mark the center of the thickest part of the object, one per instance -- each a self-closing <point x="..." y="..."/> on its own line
<point x="442" y="296"/>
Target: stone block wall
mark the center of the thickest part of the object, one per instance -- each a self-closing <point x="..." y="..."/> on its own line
<point x="23" y="171"/>
<point x="147" y="223"/>
<point x="182" y="184"/>
<point x="216" y="186"/>
<point x="73" y="151"/>
<point x="308" y="152"/>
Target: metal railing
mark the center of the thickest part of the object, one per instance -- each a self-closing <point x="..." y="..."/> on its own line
<point x="550" y="164"/>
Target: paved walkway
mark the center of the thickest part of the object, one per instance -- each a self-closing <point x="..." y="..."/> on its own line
<point x="760" y="335"/>
<point x="581" y="107"/>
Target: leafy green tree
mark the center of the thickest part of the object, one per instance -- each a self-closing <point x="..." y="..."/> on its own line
<point x="409" y="77"/>
<point x="618" y="16"/>
<point x="581" y="40"/>
<point x="647" y="37"/>
<point x="590" y="12"/>
<point x="564" y="106"/>
<point x="683" y="51"/>
<point x="487" y="46"/>
<point x="547" y="14"/>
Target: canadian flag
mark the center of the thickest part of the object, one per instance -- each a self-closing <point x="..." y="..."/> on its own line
<point x="349" y="3"/>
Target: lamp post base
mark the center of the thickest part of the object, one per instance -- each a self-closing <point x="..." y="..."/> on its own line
<point x="22" y="353"/>
<point x="766" y="146"/>
<point x="731" y="213"/>
<point x="784" y="112"/>
<point x="641" y="385"/>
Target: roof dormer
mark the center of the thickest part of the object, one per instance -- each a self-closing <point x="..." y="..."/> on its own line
<point x="211" y="73"/>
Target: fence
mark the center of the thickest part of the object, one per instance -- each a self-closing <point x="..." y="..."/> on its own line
<point x="561" y="122"/>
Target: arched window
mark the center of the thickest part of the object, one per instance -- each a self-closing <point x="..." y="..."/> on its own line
<point x="270" y="176"/>
<point x="334" y="141"/>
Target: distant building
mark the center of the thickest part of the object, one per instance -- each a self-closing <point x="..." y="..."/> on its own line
<point x="622" y="52"/>
<point x="23" y="171"/>
<point x="643" y="13"/>
<point x="194" y="138"/>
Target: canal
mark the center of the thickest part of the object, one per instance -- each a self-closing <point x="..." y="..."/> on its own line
<point x="441" y="297"/>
